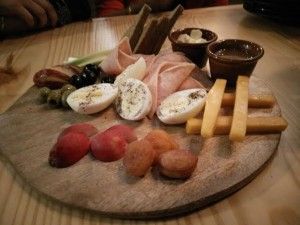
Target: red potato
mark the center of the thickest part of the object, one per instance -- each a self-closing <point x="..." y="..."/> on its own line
<point x="88" y="129"/>
<point x="177" y="164"/>
<point x="161" y="142"/>
<point x="138" y="158"/>
<point x="69" y="149"/>
<point x="123" y="130"/>
<point x="108" y="147"/>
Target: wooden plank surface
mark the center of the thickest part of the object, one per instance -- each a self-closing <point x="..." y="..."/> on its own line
<point x="272" y="198"/>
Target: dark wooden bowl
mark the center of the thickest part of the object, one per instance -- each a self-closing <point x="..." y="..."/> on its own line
<point x="196" y="52"/>
<point x="233" y="57"/>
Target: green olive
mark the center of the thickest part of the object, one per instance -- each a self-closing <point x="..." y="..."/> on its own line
<point x="54" y="97"/>
<point x="67" y="87"/>
<point x="44" y="92"/>
<point x="64" y="97"/>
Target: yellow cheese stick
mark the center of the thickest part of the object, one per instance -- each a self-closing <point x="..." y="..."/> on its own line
<point x="255" y="125"/>
<point x="254" y="101"/>
<point x="240" y="111"/>
<point x="212" y="108"/>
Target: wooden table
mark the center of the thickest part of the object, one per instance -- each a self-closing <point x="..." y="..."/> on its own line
<point x="272" y="198"/>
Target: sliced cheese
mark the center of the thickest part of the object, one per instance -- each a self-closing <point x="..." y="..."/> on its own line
<point x="212" y="108"/>
<point x="240" y="111"/>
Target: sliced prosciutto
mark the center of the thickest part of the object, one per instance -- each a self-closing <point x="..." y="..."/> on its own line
<point x="118" y="59"/>
<point x="152" y="81"/>
<point x="165" y="79"/>
<point x="175" y="57"/>
<point x="171" y="79"/>
<point x="190" y="83"/>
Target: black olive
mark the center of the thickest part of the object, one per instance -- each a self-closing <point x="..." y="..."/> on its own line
<point x="92" y="77"/>
<point x="85" y="79"/>
<point x="77" y="81"/>
<point x="91" y="67"/>
<point x="108" y="79"/>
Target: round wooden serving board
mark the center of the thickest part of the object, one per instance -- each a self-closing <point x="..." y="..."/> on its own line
<point x="29" y="130"/>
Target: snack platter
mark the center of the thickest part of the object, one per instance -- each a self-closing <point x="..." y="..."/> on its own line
<point x="136" y="176"/>
<point x="104" y="187"/>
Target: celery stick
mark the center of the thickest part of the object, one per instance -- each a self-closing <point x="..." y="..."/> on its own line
<point x="70" y="60"/>
<point x="92" y="58"/>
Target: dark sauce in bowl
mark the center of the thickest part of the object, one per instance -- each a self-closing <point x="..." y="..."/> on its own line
<point x="234" y="50"/>
<point x="233" y="54"/>
<point x="232" y="57"/>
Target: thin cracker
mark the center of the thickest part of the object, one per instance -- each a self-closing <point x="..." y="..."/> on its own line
<point x="167" y="26"/>
<point x="145" y="42"/>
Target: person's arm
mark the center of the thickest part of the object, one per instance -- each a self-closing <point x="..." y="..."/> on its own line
<point x="32" y="12"/>
<point x="159" y="6"/>
<point x="13" y="25"/>
<point x="66" y="11"/>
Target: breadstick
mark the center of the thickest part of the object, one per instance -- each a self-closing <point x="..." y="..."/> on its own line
<point x="167" y="26"/>
<point x="136" y="30"/>
<point x="254" y="101"/>
<point x="255" y="125"/>
<point x="146" y="38"/>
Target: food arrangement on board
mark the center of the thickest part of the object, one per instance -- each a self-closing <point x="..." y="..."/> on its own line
<point x="142" y="83"/>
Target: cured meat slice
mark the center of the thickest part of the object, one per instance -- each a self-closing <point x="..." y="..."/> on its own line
<point x="163" y="61"/>
<point x="172" y="57"/>
<point x="152" y="83"/>
<point x="175" y="57"/>
<point x="165" y="80"/>
<point x="119" y="58"/>
<point x="190" y="83"/>
<point x="171" y="66"/>
<point x="171" y="79"/>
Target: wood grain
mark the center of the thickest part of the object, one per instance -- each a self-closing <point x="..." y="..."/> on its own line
<point x="272" y="198"/>
<point x="30" y="128"/>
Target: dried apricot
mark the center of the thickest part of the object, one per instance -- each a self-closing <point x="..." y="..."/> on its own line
<point x="161" y="142"/>
<point x="177" y="163"/>
<point x="138" y="157"/>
